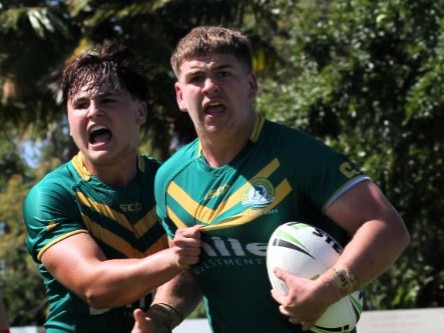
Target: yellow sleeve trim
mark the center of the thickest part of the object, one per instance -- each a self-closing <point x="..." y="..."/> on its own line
<point x="58" y="239"/>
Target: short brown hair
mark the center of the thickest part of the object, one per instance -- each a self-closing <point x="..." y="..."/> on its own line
<point x="207" y="40"/>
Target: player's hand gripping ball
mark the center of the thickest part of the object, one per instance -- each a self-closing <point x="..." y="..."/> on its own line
<point x="307" y="252"/>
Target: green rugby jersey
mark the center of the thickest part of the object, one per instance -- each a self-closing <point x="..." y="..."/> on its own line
<point x="281" y="175"/>
<point x="122" y="220"/>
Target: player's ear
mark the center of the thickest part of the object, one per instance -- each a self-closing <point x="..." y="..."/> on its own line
<point x="253" y="86"/>
<point x="179" y="97"/>
<point x="142" y="112"/>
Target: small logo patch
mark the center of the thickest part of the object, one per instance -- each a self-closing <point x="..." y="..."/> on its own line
<point x="258" y="194"/>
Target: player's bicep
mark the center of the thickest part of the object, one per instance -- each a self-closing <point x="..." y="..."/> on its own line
<point x="72" y="259"/>
<point x="361" y="203"/>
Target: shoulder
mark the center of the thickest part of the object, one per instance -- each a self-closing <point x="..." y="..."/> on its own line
<point x="51" y="199"/>
<point x="175" y="164"/>
<point x="59" y="180"/>
<point x="290" y="141"/>
<point x="279" y="131"/>
<point x="181" y="157"/>
<point x="54" y="192"/>
<point x="307" y="158"/>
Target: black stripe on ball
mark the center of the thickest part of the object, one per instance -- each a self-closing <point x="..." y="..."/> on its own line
<point x="288" y="245"/>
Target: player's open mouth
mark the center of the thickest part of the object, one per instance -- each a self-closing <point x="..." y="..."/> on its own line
<point x="99" y="134"/>
<point x="214" y="108"/>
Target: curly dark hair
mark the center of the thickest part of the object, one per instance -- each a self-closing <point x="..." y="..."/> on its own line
<point x="112" y="64"/>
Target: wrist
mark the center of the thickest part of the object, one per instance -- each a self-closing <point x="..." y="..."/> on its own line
<point x="165" y="315"/>
<point x="160" y="324"/>
<point x="342" y="280"/>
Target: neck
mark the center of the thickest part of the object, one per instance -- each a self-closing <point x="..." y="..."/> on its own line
<point x="220" y="150"/>
<point x="113" y="173"/>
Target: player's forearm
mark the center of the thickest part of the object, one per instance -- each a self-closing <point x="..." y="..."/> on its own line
<point x="175" y="300"/>
<point x="373" y="249"/>
<point x="119" y="282"/>
<point x="182" y="292"/>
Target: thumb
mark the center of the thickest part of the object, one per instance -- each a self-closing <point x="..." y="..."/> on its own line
<point x="281" y="273"/>
<point x="139" y="318"/>
<point x="280" y="290"/>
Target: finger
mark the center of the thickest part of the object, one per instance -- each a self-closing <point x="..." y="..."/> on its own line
<point x="284" y="310"/>
<point x="184" y="241"/>
<point x="281" y="273"/>
<point x="278" y="295"/>
<point x="191" y="232"/>
<point x="189" y="258"/>
<point x="139" y="317"/>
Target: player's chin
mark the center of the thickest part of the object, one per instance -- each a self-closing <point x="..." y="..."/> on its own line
<point x="99" y="157"/>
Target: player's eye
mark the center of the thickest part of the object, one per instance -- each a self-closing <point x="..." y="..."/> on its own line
<point x="196" y="79"/>
<point x="106" y="100"/>
<point x="80" y="105"/>
<point x="223" y="74"/>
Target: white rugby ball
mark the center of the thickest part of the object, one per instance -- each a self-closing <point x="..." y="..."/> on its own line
<point x="307" y="252"/>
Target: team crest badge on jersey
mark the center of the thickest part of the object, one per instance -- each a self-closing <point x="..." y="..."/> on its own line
<point x="258" y="194"/>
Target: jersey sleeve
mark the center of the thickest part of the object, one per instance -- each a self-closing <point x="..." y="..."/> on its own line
<point x="161" y="182"/>
<point x="326" y="174"/>
<point x="50" y="215"/>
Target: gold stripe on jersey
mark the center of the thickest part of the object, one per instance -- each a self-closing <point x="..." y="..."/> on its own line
<point x="111" y="239"/>
<point x="145" y="223"/>
<point x="234" y="198"/>
<point x="177" y="221"/>
<point x="207" y="215"/>
<point x="102" y="209"/>
<point x="139" y="229"/>
<point x="259" y="123"/>
<point x="178" y="194"/>
<point x="80" y="167"/>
